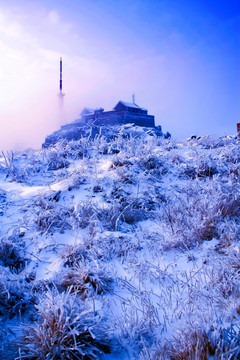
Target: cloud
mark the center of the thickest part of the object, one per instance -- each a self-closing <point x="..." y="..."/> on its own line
<point x="53" y="20"/>
<point x="12" y="29"/>
<point x="54" y="17"/>
<point x="174" y="78"/>
<point x="28" y="101"/>
<point x="29" y="74"/>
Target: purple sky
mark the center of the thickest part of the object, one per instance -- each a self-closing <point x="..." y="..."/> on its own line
<point x="179" y="57"/>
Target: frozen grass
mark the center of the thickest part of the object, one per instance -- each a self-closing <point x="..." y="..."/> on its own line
<point x="198" y="344"/>
<point x="140" y="237"/>
<point x="16" y="295"/>
<point x="64" y="330"/>
<point x="86" y="280"/>
<point x="197" y="212"/>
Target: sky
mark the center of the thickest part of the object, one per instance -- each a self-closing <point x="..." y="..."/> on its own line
<point x="179" y="57"/>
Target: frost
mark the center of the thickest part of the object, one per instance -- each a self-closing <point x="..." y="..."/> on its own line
<point x="121" y="247"/>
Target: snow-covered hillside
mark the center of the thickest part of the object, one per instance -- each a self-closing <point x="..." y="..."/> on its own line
<point x="126" y="249"/>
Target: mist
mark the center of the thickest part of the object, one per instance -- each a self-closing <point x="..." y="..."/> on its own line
<point x="185" y="72"/>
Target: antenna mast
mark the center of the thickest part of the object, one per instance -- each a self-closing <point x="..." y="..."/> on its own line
<point x="133" y="98"/>
<point x="60" y="85"/>
<point x="60" y="82"/>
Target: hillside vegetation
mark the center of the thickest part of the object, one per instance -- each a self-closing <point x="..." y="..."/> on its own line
<point x="121" y="249"/>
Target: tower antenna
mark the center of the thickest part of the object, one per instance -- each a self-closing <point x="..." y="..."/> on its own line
<point x="60" y="85"/>
<point x="133" y="98"/>
<point x="60" y="82"/>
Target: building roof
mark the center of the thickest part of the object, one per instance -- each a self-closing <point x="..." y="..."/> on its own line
<point x="88" y="111"/>
<point x="131" y="105"/>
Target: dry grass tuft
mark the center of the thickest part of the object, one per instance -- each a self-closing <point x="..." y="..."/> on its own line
<point x="64" y="331"/>
<point x="201" y="345"/>
<point x="85" y="281"/>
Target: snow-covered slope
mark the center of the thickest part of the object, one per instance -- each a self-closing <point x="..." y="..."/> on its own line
<point x="122" y="249"/>
<point x="78" y="129"/>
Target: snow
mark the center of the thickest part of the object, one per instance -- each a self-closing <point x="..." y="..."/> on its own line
<point x="132" y="105"/>
<point x="148" y="238"/>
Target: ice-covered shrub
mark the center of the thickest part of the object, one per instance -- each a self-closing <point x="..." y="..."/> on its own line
<point x="130" y="215"/>
<point x="210" y="142"/>
<point x="230" y="157"/>
<point x="224" y="277"/>
<point x="86" y="280"/>
<point x="12" y="165"/>
<point x="196" y="212"/>
<point x="107" y="247"/>
<point x="51" y="220"/>
<point x="126" y="176"/>
<point x="16" y="297"/>
<point x="151" y="162"/>
<point x="122" y="207"/>
<point x="229" y="205"/>
<point x="57" y="158"/>
<point x="51" y="215"/>
<point x="75" y="180"/>
<point x="117" y="213"/>
<point x="136" y="328"/>
<point x="199" y="166"/>
<point x="84" y="213"/>
<point x="76" y="149"/>
<point x="12" y="254"/>
<point x="64" y="330"/>
<point x="121" y="161"/>
<point x="7" y="349"/>
<point x="189" y="222"/>
<point x="154" y="164"/>
<point x="206" y="169"/>
<point x="24" y="167"/>
<point x="199" y="344"/>
<point x="8" y="160"/>
<point x="3" y="196"/>
<point x="97" y="189"/>
<point x="229" y="232"/>
<point x="73" y="254"/>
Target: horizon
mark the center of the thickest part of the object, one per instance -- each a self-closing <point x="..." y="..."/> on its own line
<point x="181" y="61"/>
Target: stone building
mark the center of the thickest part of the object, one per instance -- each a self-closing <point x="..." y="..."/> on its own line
<point x="95" y="122"/>
<point x="122" y="113"/>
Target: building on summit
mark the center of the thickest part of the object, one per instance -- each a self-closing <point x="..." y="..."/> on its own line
<point x="97" y="122"/>
<point x="122" y="113"/>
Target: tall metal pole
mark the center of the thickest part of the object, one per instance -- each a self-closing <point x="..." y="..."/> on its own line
<point x="60" y="84"/>
<point x="133" y="98"/>
<point x="61" y="95"/>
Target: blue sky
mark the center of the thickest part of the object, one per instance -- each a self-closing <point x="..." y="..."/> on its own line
<point x="179" y="57"/>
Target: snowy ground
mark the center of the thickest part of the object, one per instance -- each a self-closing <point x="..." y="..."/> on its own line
<point x="126" y="249"/>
